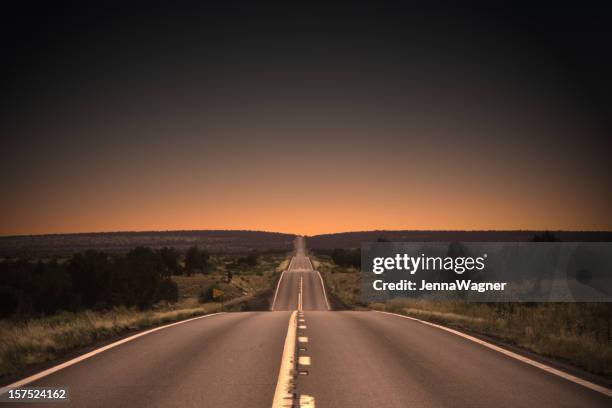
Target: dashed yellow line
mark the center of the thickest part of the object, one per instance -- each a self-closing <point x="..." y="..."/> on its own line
<point x="307" y="401"/>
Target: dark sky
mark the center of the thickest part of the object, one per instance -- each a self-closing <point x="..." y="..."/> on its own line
<point x="305" y="120"/>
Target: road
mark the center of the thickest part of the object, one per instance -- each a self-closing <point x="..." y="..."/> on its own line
<point x="368" y="359"/>
<point x="334" y="358"/>
<point x="300" y="278"/>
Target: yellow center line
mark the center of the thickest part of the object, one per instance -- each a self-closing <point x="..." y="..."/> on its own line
<point x="283" y="395"/>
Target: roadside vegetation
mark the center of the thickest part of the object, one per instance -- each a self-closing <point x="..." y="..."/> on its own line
<point x="36" y="341"/>
<point x="579" y="334"/>
<point x="576" y="333"/>
<point x="341" y="279"/>
<point x="54" y="306"/>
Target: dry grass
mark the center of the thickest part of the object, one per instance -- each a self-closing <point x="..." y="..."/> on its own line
<point x="577" y="333"/>
<point x="343" y="283"/>
<point x="283" y="265"/>
<point x="246" y="281"/>
<point x="39" y="340"/>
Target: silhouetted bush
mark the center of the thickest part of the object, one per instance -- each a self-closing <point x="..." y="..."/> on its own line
<point x="91" y="273"/>
<point x="52" y="288"/>
<point x="250" y="260"/>
<point x="347" y="257"/>
<point x="196" y="260"/>
<point x="88" y="280"/>
<point x="168" y="291"/>
<point x="170" y="260"/>
<point x="141" y="271"/>
<point x="8" y="301"/>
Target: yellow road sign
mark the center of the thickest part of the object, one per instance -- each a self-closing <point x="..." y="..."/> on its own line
<point x="217" y="293"/>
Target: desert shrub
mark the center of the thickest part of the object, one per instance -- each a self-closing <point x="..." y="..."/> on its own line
<point x="88" y="280"/>
<point x="170" y="261"/>
<point x="196" y="259"/>
<point x="249" y="260"/>
<point x="139" y="276"/>
<point x="347" y="257"/>
<point x="168" y="291"/>
<point x="8" y="301"/>
<point x="91" y="273"/>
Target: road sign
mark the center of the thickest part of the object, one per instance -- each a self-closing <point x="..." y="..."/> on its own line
<point x="217" y="293"/>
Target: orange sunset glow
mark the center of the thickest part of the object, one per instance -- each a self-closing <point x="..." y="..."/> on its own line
<point x="228" y="125"/>
<point x="306" y="189"/>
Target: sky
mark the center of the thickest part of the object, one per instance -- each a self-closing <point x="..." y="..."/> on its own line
<point x="304" y="120"/>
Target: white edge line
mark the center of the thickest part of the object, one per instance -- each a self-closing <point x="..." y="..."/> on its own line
<point x="277" y="286"/>
<point x="548" y="369"/>
<point x="282" y="394"/>
<point x="324" y="292"/>
<point x="76" y="360"/>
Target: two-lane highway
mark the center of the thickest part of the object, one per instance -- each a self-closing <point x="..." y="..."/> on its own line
<point x="371" y="359"/>
<point x="313" y="357"/>
<point x="300" y="281"/>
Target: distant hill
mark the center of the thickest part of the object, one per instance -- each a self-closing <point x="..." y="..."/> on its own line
<point x="354" y="239"/>
<point x="244" y="241"/>
<point x="115" y="242"/>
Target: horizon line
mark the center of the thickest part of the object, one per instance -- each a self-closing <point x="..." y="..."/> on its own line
<point x="295" y="234"/>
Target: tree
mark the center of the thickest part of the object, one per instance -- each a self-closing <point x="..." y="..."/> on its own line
<point x="170" y="260"/>
<point x="141" y="274"/>
<point x="91" y="277"/>
<point x="347" y="258"/>
<point x="9" y="300"/>
<point x="196" y="259"/>
<point x="53" y="289"/>
<point x="168" y="291"/>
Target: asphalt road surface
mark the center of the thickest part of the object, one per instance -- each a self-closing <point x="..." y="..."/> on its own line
<point x="300" y="278"/>
<point x="340" y="359"/>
